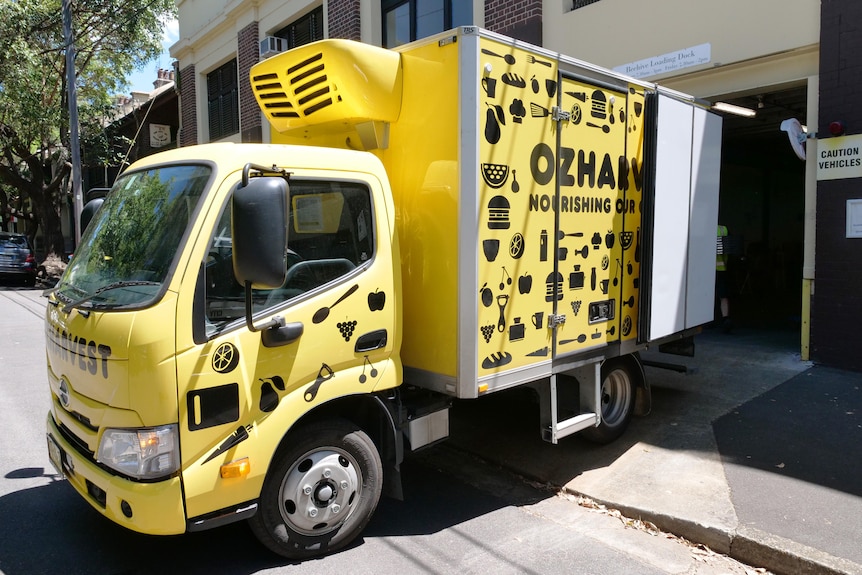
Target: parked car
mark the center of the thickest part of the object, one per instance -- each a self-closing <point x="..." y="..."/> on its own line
<point x="17" y="259"/>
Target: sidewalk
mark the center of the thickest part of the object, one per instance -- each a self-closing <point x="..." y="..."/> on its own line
<point x="754" y="453"/>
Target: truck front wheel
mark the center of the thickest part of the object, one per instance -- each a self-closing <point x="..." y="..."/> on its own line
<point x="320" y="491"/>
<point x="617" y="401"/>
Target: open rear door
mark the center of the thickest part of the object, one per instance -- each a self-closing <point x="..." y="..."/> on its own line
<point x="682" y="199"/>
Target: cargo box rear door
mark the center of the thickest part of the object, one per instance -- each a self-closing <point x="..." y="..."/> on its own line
<point x="681" y="201"/>
<point x="593" y="241"/>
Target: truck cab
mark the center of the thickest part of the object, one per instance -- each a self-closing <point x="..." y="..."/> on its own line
<point x="158" y="382"/>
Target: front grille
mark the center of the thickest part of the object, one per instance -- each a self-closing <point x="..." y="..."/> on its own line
<point x="85" y="421"/>
<point x="76" y="442"/>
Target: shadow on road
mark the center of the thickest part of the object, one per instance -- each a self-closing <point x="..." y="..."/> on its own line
<point x="809" y="428"/>
<point x="728" y="370"/>
<point x="50" y="530"/>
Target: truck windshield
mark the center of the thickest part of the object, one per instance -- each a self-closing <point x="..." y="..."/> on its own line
<point x="130" y="246"/>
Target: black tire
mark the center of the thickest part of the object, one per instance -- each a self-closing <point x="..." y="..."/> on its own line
<point x="619" y="388"/>
<point x="320" y="492"/>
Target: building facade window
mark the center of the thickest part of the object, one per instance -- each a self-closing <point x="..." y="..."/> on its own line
<point x="575" y="4"/>
<point x="305" y="30"/>
<point x="223" y="101"/>
<point x="408" y="20"/>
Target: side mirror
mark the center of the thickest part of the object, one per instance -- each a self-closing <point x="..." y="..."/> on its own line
<point x="259" y="212"/>
<point x="89" y="211"/>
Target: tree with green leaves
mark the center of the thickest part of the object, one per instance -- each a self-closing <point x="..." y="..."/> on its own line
<point x="111" y="38"/>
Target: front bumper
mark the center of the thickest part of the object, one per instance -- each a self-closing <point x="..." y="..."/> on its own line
<point x="154" y="508"/>
<point x="18" y="272"/>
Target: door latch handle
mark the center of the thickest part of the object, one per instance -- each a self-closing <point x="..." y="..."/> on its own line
<point x="371" y="341"/>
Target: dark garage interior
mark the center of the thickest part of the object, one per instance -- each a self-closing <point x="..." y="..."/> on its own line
<point x="763" y="206"/>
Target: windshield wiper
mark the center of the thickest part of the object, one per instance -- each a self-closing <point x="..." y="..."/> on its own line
<point x="116" y="285"/>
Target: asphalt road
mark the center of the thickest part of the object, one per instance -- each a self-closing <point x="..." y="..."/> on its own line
<point x="460" y="515"/>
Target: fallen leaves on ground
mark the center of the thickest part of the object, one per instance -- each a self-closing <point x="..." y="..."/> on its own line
<point x="700" y="552"/>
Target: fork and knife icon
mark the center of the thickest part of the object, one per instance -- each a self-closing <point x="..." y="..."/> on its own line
<point x="532" y="60"/>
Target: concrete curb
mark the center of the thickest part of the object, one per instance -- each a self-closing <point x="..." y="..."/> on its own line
<point x="718" y="539"/>
<point x="788" y="557"/>
<point x="748" y="545"/>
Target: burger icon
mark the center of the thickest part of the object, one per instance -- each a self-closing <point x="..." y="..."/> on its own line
<point x="498" y="213"/>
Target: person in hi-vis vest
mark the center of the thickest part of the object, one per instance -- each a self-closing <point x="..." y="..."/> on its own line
<point x="721" y="287"/>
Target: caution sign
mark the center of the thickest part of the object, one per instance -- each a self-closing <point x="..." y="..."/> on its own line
<point x="839" y="158"/>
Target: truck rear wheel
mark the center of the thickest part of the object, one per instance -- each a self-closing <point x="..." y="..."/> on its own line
<point x="320" y="492"/>
<point x="617" y="401"/>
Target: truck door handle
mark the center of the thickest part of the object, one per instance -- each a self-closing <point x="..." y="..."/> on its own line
<point x="371" y="341"/>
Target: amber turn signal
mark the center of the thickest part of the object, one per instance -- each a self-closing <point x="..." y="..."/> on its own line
<point x="238" y="468"/>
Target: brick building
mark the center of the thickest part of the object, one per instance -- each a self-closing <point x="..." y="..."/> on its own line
<point x="836" y="304"/>
<point x="147" y="120"/>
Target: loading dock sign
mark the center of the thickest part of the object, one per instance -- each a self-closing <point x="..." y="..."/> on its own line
<point x="839" y="158"/>
<point x="670" y="62"/>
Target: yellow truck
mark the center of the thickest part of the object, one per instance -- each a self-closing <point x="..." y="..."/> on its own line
<point x="262" y="331"/>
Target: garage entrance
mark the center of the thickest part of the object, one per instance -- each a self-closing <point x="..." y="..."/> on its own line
<point x="762" y="203"/>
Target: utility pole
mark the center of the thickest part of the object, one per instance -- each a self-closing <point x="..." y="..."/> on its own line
<point x="74" y="139"/>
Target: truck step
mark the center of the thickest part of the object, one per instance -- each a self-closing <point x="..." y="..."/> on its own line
<point x="570" y="426"/>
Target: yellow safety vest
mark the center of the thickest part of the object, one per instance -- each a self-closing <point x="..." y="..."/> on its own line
<point x="721" y="259"/>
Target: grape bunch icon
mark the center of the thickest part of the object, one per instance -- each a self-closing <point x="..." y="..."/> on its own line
<point x="487" y="332"/>
<point x="346" y="328"/>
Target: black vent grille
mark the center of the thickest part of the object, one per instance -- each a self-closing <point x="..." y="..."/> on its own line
<point x="303" y="90"/>
<point x="79" y="444"/>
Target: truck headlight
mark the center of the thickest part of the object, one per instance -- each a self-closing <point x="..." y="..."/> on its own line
<point x="146" y="453"/>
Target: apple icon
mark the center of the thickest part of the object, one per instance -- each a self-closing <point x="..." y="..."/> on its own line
<point x="609" y="239"/>
<point x="376" y="300"/>
<point x="525" y="283"/>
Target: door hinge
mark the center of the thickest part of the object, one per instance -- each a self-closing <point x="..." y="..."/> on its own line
<point x="560" y="115"/>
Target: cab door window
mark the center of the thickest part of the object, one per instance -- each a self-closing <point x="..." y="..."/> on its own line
<point x="330" y="234"/>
